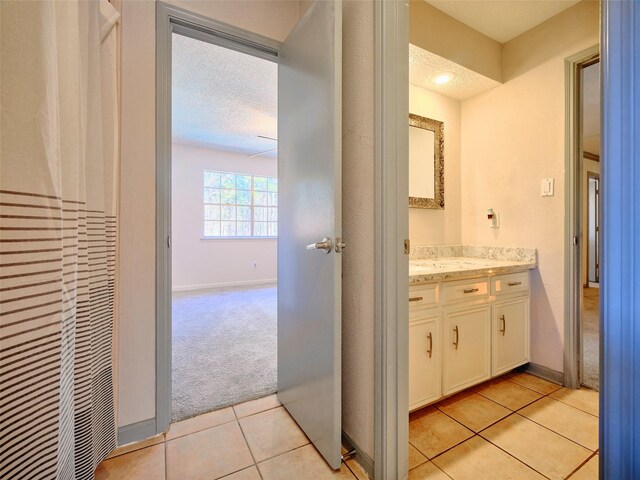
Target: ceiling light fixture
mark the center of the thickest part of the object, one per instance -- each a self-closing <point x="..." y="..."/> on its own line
<point x="442" y="78"/>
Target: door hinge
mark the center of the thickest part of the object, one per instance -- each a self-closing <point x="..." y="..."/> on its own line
<point x="407" y="246"/>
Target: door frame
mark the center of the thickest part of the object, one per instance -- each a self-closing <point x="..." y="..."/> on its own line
<point x="391" y="417"/>
<point x="169" y="20"/>
<point x="595" y="176"/>
<point x="573" y="208"/>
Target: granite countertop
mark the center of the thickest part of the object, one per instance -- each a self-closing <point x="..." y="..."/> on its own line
<point x="458" y="262"/>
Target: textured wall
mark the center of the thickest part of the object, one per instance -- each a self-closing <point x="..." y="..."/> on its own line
<point x="137" y="182"/>
<point x="513" y="136"/>
<point x="435" y="227"/>
<point x="358" y="224"/>
<point x="214" y="262"/>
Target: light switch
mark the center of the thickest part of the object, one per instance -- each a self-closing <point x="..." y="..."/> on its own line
<point x="547" y="187"/>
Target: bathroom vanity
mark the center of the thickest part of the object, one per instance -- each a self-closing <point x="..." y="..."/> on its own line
<point x="468" y="317"/>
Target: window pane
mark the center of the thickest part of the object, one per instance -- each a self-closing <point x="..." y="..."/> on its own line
<point x="228" y="229"/>
<point x="244" y="213"/>
<point x="260" y="183"/>
<point x="260" y="198"/>
<point x="244" y="229"/>
<point x="272" y="214"/>
<point x="273" y="229"/>
<point x="243" y="182"/>
<point x="260" y="214"/>
<point x="273" y="184"/>
<point x="212" y="179"/>
<point x="211" y="229"/>
<point x="243" y="197"/>
<point x="273" y="199"/>
<point x="228" y="197"/>
<point x="228" y="213"/>
<point x="228" y="180"/>
<point x="212" y="212"/>
<point x="211" y="195"/>
<point x="260" y="229"/>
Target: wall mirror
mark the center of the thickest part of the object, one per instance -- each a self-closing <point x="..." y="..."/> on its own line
<point x="426" y="162"/>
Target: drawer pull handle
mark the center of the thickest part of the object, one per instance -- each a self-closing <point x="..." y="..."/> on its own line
<point x="416" y="299"/>
<point x="471" y="290"/>
<point x="504" y="325"/>
<point x="513" y="284"/>
<point x="457" y="337"/>
<point x="430" y="351"/>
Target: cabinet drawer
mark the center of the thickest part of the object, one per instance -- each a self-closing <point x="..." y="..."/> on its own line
<point x="515" y="282"/>
<point x="423" y="296"/>
<point x="464" y="290"/>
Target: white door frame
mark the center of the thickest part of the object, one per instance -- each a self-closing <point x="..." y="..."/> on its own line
<point x="391" y="39"/>
<point x="170" y="19"/>
<point x="573" y="208"/>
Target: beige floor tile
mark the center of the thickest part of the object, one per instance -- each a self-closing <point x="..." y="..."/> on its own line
<point x="201" y="422"/>
<point x="428" y="471"/>
<point x="250" y="473"/>
<point x="208" y="454"/>
<point x="532" y="382"/>
<point x="257" y="406"/>
<point x="357" y="470"/>
<point x="507" y="393"/>
<point x="415" y="457"/>
<point x="132" y="447"/>
<point x="584" y="399"/>
<point x="541" y="449"/>
<point x="472" y="410"/>
<point x="432" y="432"/>
<point x="589" y="471"/>
<point x="477" y="459"/>
<point x="271" y="433"/>
<point x="145" y="464"/>
<point x="301" y="463"/>
<point x="564" y="419"/>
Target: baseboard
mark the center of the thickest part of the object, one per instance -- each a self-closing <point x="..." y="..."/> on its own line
<point x="543" y="372"/>
<point x="204" y="286"/>
<point x="136" y="432"/>
<point x="361" y="457"/>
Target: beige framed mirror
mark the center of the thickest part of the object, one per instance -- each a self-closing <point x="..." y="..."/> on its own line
<point x="426" y="163"/>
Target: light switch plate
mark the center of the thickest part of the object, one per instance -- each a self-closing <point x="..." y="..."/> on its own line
<point x="546" y="189"/>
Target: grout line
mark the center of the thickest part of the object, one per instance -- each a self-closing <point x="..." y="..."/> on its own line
<point x="247" y="443"/>
<point x="166" y="461"/>
<point x="257" y="413"/>
<point x="582" y="465"/>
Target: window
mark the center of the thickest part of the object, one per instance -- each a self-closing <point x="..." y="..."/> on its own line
<point x="239" y="205"/>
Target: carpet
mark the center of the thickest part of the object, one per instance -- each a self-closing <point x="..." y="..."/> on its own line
<point x="591" y="338"/>
<point x="224" y="348"/>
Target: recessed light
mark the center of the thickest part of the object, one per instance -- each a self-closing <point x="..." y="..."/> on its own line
<point x="442" y="78"/>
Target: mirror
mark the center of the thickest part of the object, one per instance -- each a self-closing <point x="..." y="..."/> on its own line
<point x="426" y="162"/>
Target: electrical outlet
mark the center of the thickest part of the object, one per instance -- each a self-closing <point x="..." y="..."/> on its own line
<point x="254" y="266"/>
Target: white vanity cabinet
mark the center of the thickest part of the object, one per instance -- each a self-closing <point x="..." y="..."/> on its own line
<point x="464" y="332"/>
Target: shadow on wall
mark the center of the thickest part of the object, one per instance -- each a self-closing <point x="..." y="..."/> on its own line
<point x="546" y="340"/>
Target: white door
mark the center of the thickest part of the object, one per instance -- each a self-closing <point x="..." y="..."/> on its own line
<point x="510" y="334"/>
<point x="309" y="264"/>
<point x="467" y="354"/>
<point x="425" y="351"/>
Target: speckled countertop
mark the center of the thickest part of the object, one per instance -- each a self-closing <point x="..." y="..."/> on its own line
<point x="446" y="262"/>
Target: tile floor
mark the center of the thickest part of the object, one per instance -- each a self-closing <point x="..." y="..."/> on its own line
<point x="514" y="427"/>
<point x="251" y="441"/>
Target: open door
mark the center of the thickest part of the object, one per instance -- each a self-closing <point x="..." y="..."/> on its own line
<point x="309" y="226"/>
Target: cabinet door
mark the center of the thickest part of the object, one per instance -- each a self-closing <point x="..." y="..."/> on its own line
<point x="424" y="361"/>
<point x="467" y="352"/>
<point x="510" y="334"/>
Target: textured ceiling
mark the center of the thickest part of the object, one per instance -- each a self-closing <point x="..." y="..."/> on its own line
<point x="223" y="99"/>
<point x="591" y="109"/>
<point x="502" y="20"/>
<point x="423" y="65"/>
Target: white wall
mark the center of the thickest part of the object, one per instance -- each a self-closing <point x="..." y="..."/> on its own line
<point x="136" y="286"/>
<point x="436" y="227"/>
<point x="199" y="263"/>
<point x="513" y="136"/>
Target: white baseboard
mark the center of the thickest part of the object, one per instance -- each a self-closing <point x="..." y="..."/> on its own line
<point x="204" y="286"/>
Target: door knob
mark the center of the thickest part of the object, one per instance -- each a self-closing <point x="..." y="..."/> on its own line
<point x="325" y="245"/>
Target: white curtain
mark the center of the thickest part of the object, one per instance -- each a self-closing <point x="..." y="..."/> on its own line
<point x="58" y="229"/>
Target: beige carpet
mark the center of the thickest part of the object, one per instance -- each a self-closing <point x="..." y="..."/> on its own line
<point x="591" y="338"/>
<point x="224" y="348"/>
